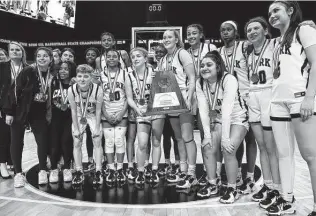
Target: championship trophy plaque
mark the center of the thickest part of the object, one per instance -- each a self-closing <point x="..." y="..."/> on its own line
<point x="165" y="96"/>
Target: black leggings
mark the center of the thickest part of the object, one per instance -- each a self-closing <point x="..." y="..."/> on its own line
<point x="61" y="139"/>
<point x="167" y="135"/>
<point x="5" y="140"/>
<point x="40" y="131"/>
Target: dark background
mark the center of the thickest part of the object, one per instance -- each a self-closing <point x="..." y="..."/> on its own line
<point x="95" y="17"/>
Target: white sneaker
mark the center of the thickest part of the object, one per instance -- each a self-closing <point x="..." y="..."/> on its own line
<point x="67" y="175"/>
<point x="19" y="180"/>
<point x="53" y="176"/>
<point x="42" y="177"/>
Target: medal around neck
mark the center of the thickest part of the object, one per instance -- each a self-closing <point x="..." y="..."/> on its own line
<point x="165" y="96"/>
<point x="83" y="121"/>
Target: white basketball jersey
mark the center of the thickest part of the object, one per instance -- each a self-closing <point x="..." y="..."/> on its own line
<point x="119" y="91"/>
<point x="135" y="87"/>
<point x="177" y="68"/>
<point x="264" y="70"/>
<point x="240" y="67"/>
<point x="92" y="99"/>
<point x="294" y="73"/>
<point x="103" y="61"/>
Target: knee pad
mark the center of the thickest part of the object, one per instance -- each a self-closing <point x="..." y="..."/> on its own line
<point x="120" y="139"/>
<point x="109" y="140"/>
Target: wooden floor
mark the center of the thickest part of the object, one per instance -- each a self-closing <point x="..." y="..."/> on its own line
<point x="26" y="201"/>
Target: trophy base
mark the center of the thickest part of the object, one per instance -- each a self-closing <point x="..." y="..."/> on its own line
<point x="164" y="112"/>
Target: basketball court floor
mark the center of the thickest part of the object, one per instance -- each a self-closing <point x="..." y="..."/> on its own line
<point x="129" y="200"/>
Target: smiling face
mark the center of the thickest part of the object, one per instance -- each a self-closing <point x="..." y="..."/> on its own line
<point x="228" y="32"/>
<point x="67" y="56"/>
<point x="279" y="15"/>
<point x="3" y="56"/>
<point x="169" y="40"/>
<point x="83" y="79"/>
<point x="91" y="56"/>
<point x="160" y="52"/>
<point x="56" y="57"/>
<point x="15" y="52"/>
<point x="194" y="35"/>
<point x="256" y="33"/>
<point x="42" y="58"/>
<point x="112" y="58"/>
<point x="64" y="71"/>
<point x="107" y="42"/>
<point x="208" y="69"/>
<point x="138" y="58"/>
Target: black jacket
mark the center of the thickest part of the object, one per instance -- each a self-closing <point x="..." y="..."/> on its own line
<point x="5" y="81"/>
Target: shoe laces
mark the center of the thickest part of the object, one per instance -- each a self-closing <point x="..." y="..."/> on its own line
<point x="228" y="192"/>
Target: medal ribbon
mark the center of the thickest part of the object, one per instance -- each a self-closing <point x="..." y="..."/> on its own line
<point x="208" y="91"/>
<point x="169" y="66"/>
<point x="112" y="86"/>
<point x="63" y="97"/>
<point x="276" y="55"/>
<point x="230" y="65"/>
<point x="254" y="66"/>
<point x="141" y="88"/>
<point x="15" y="73"/>
<point x="84" y="109"/>
<point x="197" y="65"/>
<point x="44" y="83"/>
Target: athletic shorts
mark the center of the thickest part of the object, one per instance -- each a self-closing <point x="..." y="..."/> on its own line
<point x="91" y="121"/>
<point x="240" y="119"/>
<point x="259" y="107"/>
<point x="133" y="118"/>
<point x="103" y="119"/>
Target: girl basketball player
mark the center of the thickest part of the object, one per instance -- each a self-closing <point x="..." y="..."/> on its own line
<point x="85" y="99"/>
<point x="57" y="56"/>
<point x="293" y="98"/>
<point x="261" y="76"/>
<point x="180" y="62"/>
<point x="138" y="85"/>
<point x="114" y="118"/>
<point x="68" y="55"/>
<point x="29" y="101"/>
<point x="198" y="49"/>
<point x="234" y="56"/>
<point x="60" y="126"/>
<point x="3" y="55"/>
<point x="224" y="120"/>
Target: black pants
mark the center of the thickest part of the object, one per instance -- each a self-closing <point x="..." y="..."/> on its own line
<point x="5" y="140"/>
<point x="61" y="142"/>
<point x="167" y="135"/>
<point x="40" y="130"/>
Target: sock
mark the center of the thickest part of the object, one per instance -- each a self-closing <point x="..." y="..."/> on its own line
<point x="314" y="207"/>
<point x="269" y="183"/>
<point x="288" y="197"/>
<point x="183" y="166"/>
<point x="154" y="167"/>
<point x="119" y="166"/>
<point x="177" y="162"/>
<point x="167" y="161"/>
<point x="213" y="181"/>
<point x="218" y="169"/>
<point x="146" y="163"/>
<point x="140" y="169"/>
<point x="204" y="168"/>
<point x="79" y="168"/>
<point x="98" y="168"/>
<point x="276" y="186"/>
<point x="250" y="175"/>
<point x="232" y="185"/>
<point x="239" y="172"/>
<point x="90" y="159"/>
<point x="191" y="170"/>
<point x="130" y="164"/>
<point x="111" y="166"/>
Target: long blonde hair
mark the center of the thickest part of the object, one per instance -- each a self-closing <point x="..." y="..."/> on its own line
<point x="24" y="63"/>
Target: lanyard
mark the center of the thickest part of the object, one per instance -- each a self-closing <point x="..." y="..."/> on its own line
<point x="230" y="65"/>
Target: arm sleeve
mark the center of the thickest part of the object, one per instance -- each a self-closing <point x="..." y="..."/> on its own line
<point x="204" y="110"/>
<point x="185" y="58"/>
<point x="230" y="86"/>
<point x="307" y="36"/>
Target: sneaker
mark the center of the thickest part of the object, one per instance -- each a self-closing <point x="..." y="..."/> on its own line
<point x="67" y="175"/>
<point x="312" y="213"/>
<point x="239" y="181"/>
<point x="42" y="177"/>
<point x="203" y="179"/>
<point x="175" y="169"/>
<point x="110" y="177"/>
<point x="172" y="178"/>
<point x="247" y="187"/>
<point x="187" y="182"/>
<point x="53" y="176"/>
<point x="230" y="196"/>
<point x="120" y="177"/>
<point x="98" y="178"/>
<point x="281" y="207"/>
<point x="147" y="171"/>
<point x="271" y="198"/>
<point x="90" y="166"/>
<point x="131" y="173"/>
<point x="78" y="178"/>
<point x="140" y="178"/>
<point x="162" y="172"/>
<point x="261" y="194"/>
<point x="154" y="176"/>
<point x="19" y="180"/>
<point x="207" y="191"/>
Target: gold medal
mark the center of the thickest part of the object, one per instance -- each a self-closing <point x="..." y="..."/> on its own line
<point x="276" y="73"/>
<point x="83" y="121"/>
<point x="142" y="101"/>
<point x="255" y="78"/>
<point x="112" y="97"/>
<point x="63" y="107"/>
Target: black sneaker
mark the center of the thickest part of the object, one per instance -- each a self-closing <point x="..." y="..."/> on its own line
<point x="281" y="207"/>
<point x="188" y="182"/>
<point x="207" y="191"/>
<point x="172" y="178"/>
<point x="261" y="194"/>
<point x="110" y="177"/>
<point x="247" y="187"/>
<point x="154" y="176"/>
<point x="105" y="168"/>
<point x="140" y="179"/>
<point x="203" y="179"/>
<point x="78" y="178"/>
<point x="271" y="198"/>
<point x="147" y="171"/>
<point x="230" y="196"/>
<point x="89" y="166"/>
<point x="312" y="213"/>
<point x="131" y="173"/>
<point x="175" y="169"/>
<point x="120" y="177"/>
<point x="98" y="178"/>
